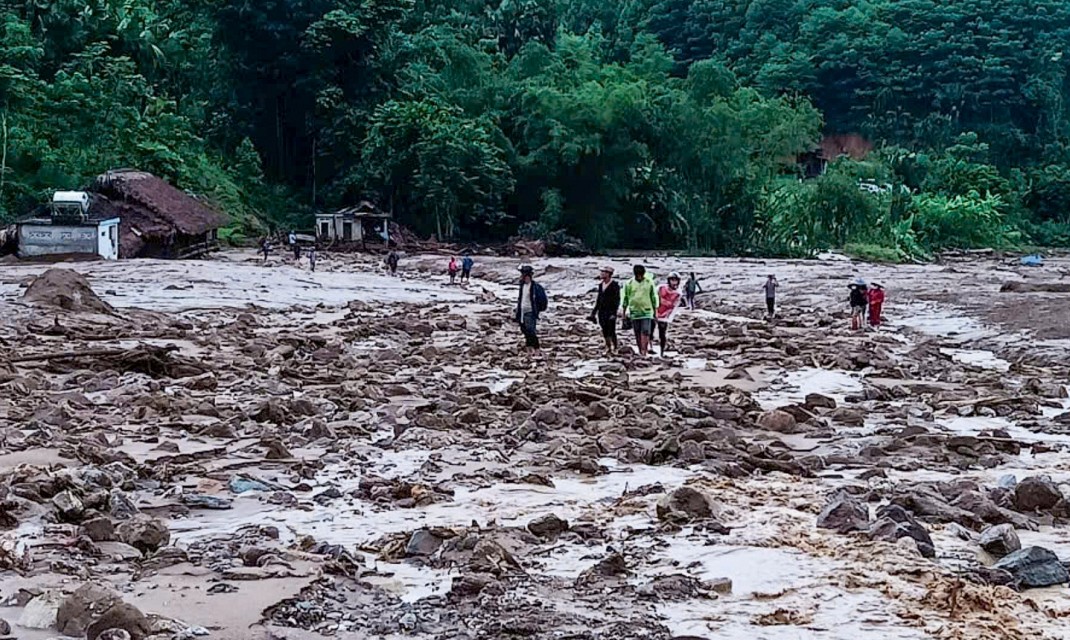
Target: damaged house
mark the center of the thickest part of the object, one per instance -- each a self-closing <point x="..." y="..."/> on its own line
<point x="157" y="220"/>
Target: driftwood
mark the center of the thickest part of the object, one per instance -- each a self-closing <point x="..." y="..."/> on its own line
<point x="62" y="355"/>
<point x="152" y="360"/>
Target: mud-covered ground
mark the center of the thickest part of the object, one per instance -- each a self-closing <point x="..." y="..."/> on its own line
<point x="238" y="449"/>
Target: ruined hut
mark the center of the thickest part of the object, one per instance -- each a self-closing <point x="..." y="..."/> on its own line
<point x="157" y="220"/>
<point x="364" y="223"/>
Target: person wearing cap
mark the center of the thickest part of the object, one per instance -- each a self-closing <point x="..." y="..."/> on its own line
<point x="770" y="287"/>
<point x="640" y="303"/>
<point x="859" y="300"/>
<point x="531" y="302"/>
<point x="691" y="289"/>
<point x="669" y="295"/>
<point x="606" y="306"/>
<point x="876" y="304"/>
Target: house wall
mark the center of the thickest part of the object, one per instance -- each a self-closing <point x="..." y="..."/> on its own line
<point x="336" y="224"/>
<point x="108" y="239"/>
<point x="46" y="239"/>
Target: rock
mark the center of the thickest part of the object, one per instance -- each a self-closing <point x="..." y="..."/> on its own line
<point x="777" y="420"/>
<point x="68" y="505"/>
<point x="720" y="585"/>
<point x="1007" y="482"/>
<point x="99" y="529"/>
<point x="42" y="611"/>
<point x="548" y="526"/>
<point x="115" y="634"/>
<point x="119" y="550"/>
<point x="1034" y="567"/>
<point x="818" y="401"/>
<point x="844" y="514"/>
<point x="686" y="504"/>
<point x="422" y="543"/>
<point x="144" y="533"/>
<point x="597" y="411"/>
<point x="124" y="617"/>
<point x="547" y="415"/>
<point x="850" y="417"/>
<point x="1036" y="493"/>
<point x="894" y="522"/>
<point x="1000" y="540"/>
<point x="80" y="608"/>
<point x="5" y="627"/>
<point x="471" y="584"/>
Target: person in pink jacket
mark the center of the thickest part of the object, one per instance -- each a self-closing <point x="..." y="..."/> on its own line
<point x="669" y="296"/>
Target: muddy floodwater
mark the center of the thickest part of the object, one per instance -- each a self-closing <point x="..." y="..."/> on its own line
<point x="233" y="448"/>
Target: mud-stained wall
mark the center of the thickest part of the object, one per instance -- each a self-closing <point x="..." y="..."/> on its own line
<point x="46" y="239"/>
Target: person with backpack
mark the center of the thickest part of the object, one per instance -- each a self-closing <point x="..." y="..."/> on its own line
<point x="859" y="300"/>
<point x="691" y="289"/>
<point x="466" y="268"/>
<point x="606" y="306"/>
<point x="531" y="302"/>
<point x="640" y="303"/>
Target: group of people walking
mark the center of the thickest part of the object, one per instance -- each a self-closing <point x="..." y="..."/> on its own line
<point x="641" y="306"/>
<point x="867" y="303"/>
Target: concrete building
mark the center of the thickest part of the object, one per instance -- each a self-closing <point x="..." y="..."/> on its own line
<point x="363" y="223"/>
<point x="69" y="230"/>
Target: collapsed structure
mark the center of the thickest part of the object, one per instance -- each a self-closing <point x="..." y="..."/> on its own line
<point x="125" y="213"/>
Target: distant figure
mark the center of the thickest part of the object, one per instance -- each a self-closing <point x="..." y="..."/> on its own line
<point x="265" y="247"/>
<point x="876" y="305"/>
<point x="453" y="268"/>
<point x="640" y="303"/>
<point x="312" y="258"/>
<point x="392" y="262"/>
<point x="466" y="269"/>
<point x="770" y="287"/>
<point x="606" y="306"/>
<point x="531" y="302"/>
<point x="668" y="302"/>
<point x="691" y="289"/>
<point x="859" y="299"/>
<point x="294" y="246"/>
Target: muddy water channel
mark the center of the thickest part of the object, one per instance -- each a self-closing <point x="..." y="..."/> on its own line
<point x="238" y="449"/>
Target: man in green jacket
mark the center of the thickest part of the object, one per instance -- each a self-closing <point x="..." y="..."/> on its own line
<point x="640" y="303"/>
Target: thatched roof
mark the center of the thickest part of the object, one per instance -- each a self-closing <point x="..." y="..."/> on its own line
<point x="151" y="210"/>
<point x="158" y="204"/>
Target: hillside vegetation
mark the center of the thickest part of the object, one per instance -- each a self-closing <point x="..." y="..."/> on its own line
<point x="628" y="123"/>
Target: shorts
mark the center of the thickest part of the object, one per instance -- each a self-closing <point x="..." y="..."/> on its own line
<point x="643" y="326"/>
<point x="858" y="310"/>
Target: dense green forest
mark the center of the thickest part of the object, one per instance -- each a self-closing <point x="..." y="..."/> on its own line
<point x="627" y="123"/>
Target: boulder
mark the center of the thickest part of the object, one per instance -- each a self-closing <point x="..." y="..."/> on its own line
<point x="42" y="611"/>
<point x="548" y="526"/>
<point x="5" y="627"/>
<point x="686" y="504"/>
<point x="144" y="533"/>
<point x="843" y="514"/>
<point x="1036" y="494"/>
<point x="79" y="609"/>
<point x="547" y="415"/>
<point x="422" y="543"/>
<point x="99" y="529"/>
<point x="121" y="616"/>
<point x="817" y="401"/>
<point x="115" y="634"/>
<point x="68" y="506"/>
<point x="777" y="420"/>
<point x="1000" y="540"/>
<point x="1034" y="567"/>
<point x="894" y="522"/>
<point x="850" y="417"/>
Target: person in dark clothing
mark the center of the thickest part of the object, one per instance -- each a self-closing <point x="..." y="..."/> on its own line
<point x="859" y="299"/>
<point x="392" y="262"/>
<point x="606" y="306"/>
<point x="466" y="269"/>
<point x="312" y="257"/>
<point x="691" y="289"/>
<point x="531" y="302"/>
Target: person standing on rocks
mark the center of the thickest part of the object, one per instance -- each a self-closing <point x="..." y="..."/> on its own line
<point x="392" y="262"/>
<point x="640" y="302"/>
<point x="531" y="303"/>
<point x="294" y="246"/>
<point x="668" y="303"/>
<point x="858" y="299"/>
<point x="453" y="268"/>
<point x="466" y="269"/>
<point x="770" y="287"/>
<point x="606" y="306"/>
<point x="312" y="258"/>
<point x="876" y="305"/>
<point x="265" y="247"/>
<point x="691" y="289"/>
